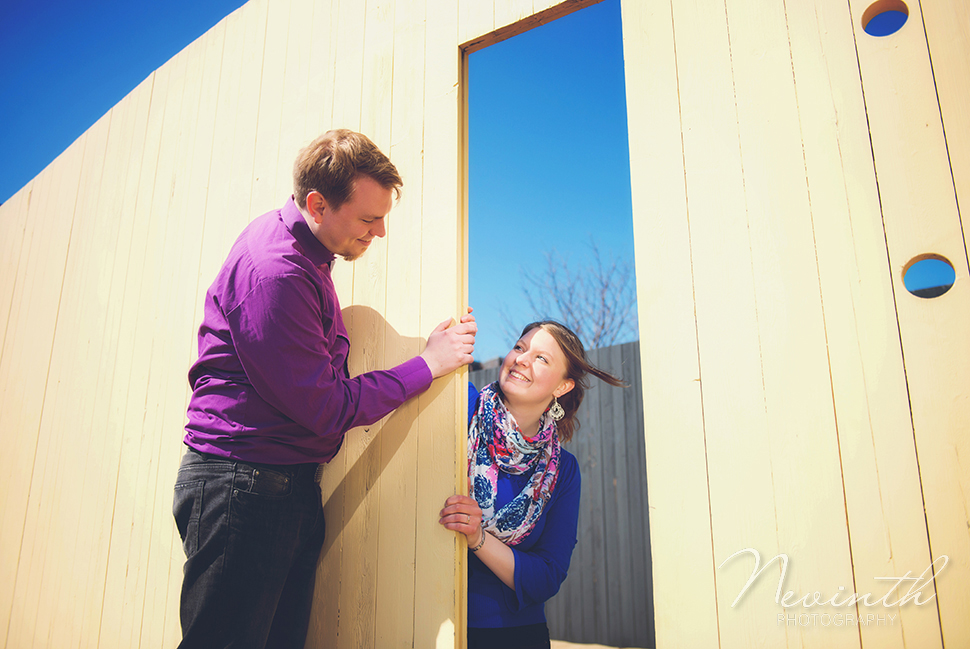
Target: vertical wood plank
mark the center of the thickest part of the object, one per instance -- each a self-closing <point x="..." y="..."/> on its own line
<point x="676" y="469"/>
<point x="398" y="441"/>
<point x="126" y="149"/>
<point x="239" y="207"/>
<point x="440" y="427"/>
<point x="885" y="519"/>
<point x="119" y="461"/>
<point x="508" y="12"/>
<point x="474" y="19"/>
<point x="26" y="362"/>
<point x="361" y="486"/>
<point x="69" y="397"/>
<point x="947" y="27"/>
<point x="801" y="435"/>
<point x="268" y="158"/>
<point x="919" y="208"/>
<point x="13" y="227"/>
<point x="131" y="532"/>
<point x="320" y="88"/>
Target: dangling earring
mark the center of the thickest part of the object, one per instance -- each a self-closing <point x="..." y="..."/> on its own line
<point x="556" y="410"/>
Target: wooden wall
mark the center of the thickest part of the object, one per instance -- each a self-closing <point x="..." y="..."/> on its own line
<point x="785" y="168"/>
<point x="104" y="261"/>
<point x="798" y="400"/>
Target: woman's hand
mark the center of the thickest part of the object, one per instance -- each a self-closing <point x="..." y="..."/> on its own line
<point x="462" y="514"/>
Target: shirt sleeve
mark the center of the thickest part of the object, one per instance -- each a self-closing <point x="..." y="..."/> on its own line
<point x="540" y="570"/>
<point x="278" y="334"/>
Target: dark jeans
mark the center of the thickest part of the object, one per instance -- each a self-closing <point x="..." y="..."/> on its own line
<point x="531" y="636"/>
<point x="252" y="535"/>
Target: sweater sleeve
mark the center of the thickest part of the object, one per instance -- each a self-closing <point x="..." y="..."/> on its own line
<point x="278" y="336"/>
<point x="540" y="570"/>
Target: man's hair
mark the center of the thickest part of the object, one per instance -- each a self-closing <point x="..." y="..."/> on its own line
<point x="332" y="162"/>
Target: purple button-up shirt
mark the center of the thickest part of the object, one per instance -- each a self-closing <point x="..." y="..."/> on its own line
<point x="271" y="383"/>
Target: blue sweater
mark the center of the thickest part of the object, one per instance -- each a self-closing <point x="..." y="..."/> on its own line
<point x="541" y="559"/>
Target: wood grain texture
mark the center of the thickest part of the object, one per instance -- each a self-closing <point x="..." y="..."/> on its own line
<point x="785" y="168"/>
<point x="886" y="526"/>
<point x="675" y="445"/>
<point x="918" y="195"/>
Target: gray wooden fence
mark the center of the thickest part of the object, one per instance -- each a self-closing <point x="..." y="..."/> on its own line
<point x="608" y="596"/>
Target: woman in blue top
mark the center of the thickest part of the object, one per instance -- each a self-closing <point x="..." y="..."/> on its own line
<point x="520" y="520"/>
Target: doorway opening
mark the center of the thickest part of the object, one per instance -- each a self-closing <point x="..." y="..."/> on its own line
<point x="550" y="231"/>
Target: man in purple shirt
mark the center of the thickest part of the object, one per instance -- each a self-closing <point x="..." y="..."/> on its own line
<point x="272" y="399"/>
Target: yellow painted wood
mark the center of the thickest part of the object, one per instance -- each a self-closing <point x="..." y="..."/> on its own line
<point x="128" y="363"/>
<point x="802" y="438"/>
<point x="176" y="342"/>
<point x="267" y="159"/>
<point x="737" y="434"/>
<point x="886" y="523"/>
<point x="776" y="202"/>
<point x="402" y="339"/>
<point x="172" y="223"/>
<point x="435" y="622"/>
<point x="69" y="397"/>
<point x="124" y="158"/>
<point x="474" y="19"/>
<point x="26" y="361"/>
<point x="13" y="225"/>
<point x="360" y="488"/>
<point x="320" y="90"/>
<point x="130" y="542"/>
<point x="947" y="26"/>
<point x="680" y="525"/>
<point x="920" y="213"/>
<point x="16" y="245"/>
<point x="509" y="12"/>
<point x="293" y="134"/>
<point x="239" y="208"/>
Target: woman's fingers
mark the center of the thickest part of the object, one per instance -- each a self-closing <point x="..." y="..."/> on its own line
<point x="461" y="514"/>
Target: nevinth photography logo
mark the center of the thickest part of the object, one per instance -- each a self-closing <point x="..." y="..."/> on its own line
<point x="842" y="608"/>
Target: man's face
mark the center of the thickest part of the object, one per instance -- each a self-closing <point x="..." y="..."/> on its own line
<point x="349" y="230"/>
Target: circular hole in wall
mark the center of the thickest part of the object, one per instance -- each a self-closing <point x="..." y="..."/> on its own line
<point x="928" y="275"/>
<point x="885" y="17"/>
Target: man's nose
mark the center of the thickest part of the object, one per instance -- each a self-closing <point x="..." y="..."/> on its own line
<point x="378" y="229"/>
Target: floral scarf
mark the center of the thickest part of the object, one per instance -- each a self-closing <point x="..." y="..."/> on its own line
<point x="496" y="443"/>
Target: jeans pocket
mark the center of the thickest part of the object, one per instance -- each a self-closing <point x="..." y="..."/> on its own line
<point x="267" y="482"/>
<point x="187" y="510"/>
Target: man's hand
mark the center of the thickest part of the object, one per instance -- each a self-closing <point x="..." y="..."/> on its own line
<point x="450" y="345"/>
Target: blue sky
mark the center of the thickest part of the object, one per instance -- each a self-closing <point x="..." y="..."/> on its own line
<point x="548" y="160"/>
<point x="549" y="166"/>
<point x="64" y="64"/>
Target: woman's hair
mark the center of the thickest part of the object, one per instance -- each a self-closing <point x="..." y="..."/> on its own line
<point x="332" y="162"/>
<point x="577" y="367"/>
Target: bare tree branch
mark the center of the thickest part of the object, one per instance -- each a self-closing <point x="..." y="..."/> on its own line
<point x="597" y="301"/>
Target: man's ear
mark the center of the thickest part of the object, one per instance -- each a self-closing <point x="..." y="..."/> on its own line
<point x="316" y="206"/>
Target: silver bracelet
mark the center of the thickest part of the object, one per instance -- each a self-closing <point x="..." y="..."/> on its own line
<point x="480" y="543"/>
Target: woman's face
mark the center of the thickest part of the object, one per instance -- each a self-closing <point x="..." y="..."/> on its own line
<point x="535" y="370"/>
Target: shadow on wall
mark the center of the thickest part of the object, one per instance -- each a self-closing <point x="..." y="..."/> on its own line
<point x="352" y="505"/>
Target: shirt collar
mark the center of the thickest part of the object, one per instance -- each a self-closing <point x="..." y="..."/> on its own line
<point x="315" y="251"/>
